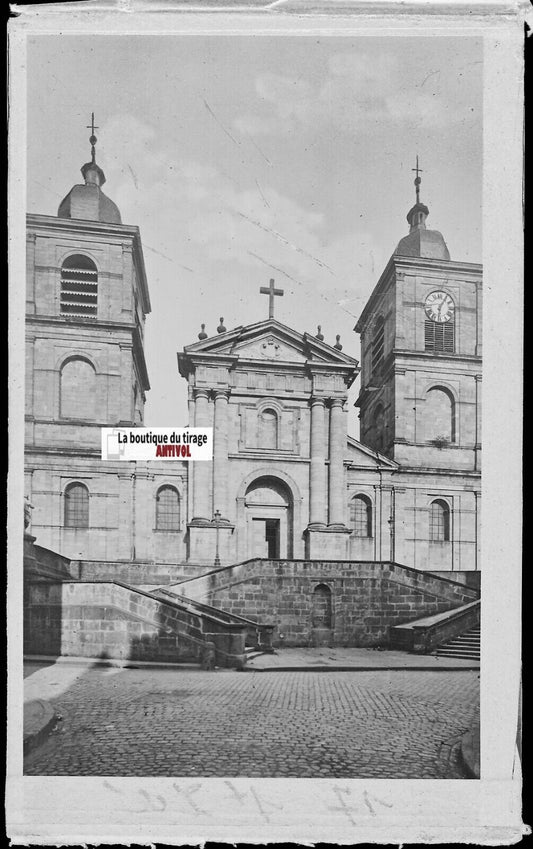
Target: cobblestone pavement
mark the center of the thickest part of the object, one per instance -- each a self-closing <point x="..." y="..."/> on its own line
<point x="378" y="724"/>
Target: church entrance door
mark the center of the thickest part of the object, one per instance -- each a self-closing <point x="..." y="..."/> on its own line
<point x="266" y="538"/>
<point x="268" y="508"/>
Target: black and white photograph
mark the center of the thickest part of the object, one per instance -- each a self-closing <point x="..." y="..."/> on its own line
<point x="276" y="239"/>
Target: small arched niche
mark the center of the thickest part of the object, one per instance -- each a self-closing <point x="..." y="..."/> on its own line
<point x="322" y="607"/>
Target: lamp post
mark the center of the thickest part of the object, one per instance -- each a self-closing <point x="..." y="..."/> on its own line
<point x="216" y="520"/>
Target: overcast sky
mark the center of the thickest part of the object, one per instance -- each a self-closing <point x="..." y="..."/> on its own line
<point x="245" y="158"/>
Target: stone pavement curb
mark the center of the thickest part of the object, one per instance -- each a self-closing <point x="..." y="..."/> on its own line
<point x="107" y="662"/>
<point x="335" y="668"/>
<point x="39" y="721"/>
<point x="469" y="753"/>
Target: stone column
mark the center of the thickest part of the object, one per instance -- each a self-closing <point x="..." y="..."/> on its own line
<point x="201" y="469"/>
<point x="191" y="407"/>
<point x="337" y="448"/>
<point x="317" y="506"/>
<point x="220" y="453"/>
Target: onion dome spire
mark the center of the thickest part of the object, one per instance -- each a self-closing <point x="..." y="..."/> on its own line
<point x="420" y="241"/>
<point x="88" y="201"/>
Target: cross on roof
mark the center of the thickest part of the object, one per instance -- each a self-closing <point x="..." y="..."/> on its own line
<point x="93" y="138"/>
<point x="92" y="126"/>
<point x="271" y="292"/>
<point x="418" y="179"/>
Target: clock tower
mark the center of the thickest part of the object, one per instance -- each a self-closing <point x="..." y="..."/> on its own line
<point x="421" y="354"/>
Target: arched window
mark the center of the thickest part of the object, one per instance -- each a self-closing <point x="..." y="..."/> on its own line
<point x="76" y="506"/>
<point x="79" y="287"/>
<point x="439" y="414"/>
<point x="77" y="389"/>
<point x="268" y="429"/>
<point x="167" y="509"/>
<point x="361" y="516"/>
<point x="379" y="428"/>
<point x="439" y="521"/>
<point x="378" y="344"/>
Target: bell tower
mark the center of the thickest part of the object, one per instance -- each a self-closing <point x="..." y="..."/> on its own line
<point x="86" y="302"/>
<point x="421" y="354"/>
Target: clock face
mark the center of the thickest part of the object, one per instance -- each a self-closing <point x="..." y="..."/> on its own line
<point x="439" y="307"/>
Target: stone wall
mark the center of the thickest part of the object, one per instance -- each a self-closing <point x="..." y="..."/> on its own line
<point x="137" y="572"/>
<point x="471" y="579"/>
<point x="367" y="598"/>
<point x="106" y="619"/>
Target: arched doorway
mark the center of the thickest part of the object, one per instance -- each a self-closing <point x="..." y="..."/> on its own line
<point x="269" y="521"/>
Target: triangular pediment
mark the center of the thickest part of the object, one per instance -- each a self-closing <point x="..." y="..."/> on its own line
<point x="270" y="346"/>
<point x="362" y="456"/>
<point x="271" y="341"/>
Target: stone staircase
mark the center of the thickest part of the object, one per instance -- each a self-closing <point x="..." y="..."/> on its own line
<point x="108" y="619"/>
<point x="465" y="646"/>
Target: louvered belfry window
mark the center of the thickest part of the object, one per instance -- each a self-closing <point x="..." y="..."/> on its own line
<point x="378" y="344"/>
<point x="439" y="337"/>
<point x="79" y="287"/>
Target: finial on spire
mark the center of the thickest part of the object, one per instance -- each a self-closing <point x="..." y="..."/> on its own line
<point x="92" y="138"/>
<point x="221" y="328"/>
<point x="418" y="179"/>
<point x="337" y="344"/>
<point x="320" y="335"/>
<point x="202" y="334"/>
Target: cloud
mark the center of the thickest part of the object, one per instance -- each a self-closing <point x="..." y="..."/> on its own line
<point x="254" y="124"/>
<point x="209" y="245"/>
<point x="358" y="90"/>
<point x="193" y="215"/>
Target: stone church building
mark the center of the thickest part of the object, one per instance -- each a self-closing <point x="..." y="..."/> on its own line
<point x="287" y="481"/>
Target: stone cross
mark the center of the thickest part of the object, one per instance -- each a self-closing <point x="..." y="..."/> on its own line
<point x="271" y="292"/>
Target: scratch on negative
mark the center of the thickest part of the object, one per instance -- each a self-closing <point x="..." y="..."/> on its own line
<point x="261" y="193"/>
<point x="220" y="124"/>
<point x="132" y="172"/>
<point x="265" y="157"/>
<point x="275" y="267"/>
<point x="285" y="241"/>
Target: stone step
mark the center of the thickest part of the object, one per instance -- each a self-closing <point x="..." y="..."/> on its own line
<point x="464" y="638"/>
<point x="460" y="655"/>
<point x="464" y="641"/>
<point x="466" y="646"/>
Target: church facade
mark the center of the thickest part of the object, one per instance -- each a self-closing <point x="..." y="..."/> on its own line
<point x="287" y="481"/>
